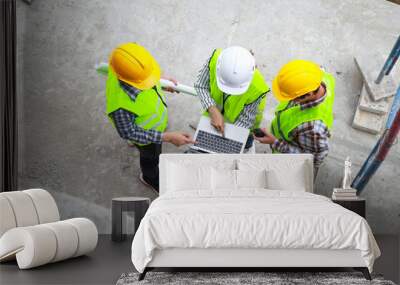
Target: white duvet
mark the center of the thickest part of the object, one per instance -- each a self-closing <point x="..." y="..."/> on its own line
<point x="250" y="219"/>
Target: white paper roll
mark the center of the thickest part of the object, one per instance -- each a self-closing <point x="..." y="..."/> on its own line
<point x="180" y="87"/>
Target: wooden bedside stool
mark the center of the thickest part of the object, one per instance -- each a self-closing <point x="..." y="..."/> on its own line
<point x="356" y="206"/>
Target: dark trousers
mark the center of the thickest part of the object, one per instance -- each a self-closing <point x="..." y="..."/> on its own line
<point x="149" y="158"/>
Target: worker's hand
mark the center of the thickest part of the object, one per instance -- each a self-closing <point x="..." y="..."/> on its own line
<point x="177" y="138"/>
<point x="267" y="138"/>
<point x="217" y="120"/>
<point x="170" y="89"/>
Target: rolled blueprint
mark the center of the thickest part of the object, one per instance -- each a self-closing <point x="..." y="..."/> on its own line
<point x="180" y="87"/>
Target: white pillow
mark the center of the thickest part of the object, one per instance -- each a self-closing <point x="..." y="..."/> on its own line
<point x="183" y="177"/>
<point x="251" y="178"/>
<point x="231" y="180"/>
<point x="203" y="160"/>
<point x="223" y="179"/>
<point x="282" y="172"/>
<point x="293" y="180"/>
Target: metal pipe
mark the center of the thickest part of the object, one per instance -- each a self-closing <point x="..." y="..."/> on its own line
<point x="381" y="148"/>
<point x="395" y="107"/>
<point x="389" y="137"/>
<point x="366" y="165"/>
<point x="390" y="61"/>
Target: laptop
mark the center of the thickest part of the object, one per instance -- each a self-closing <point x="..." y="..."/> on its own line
<point x="209" y="140"/>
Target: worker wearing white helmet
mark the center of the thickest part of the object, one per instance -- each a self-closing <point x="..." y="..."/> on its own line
<point x="231" y="89"/>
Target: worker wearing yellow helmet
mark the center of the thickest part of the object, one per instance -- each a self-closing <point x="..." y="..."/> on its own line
<point x="231" y="89"/>
<point x="136" y="105"/>
<point x="303" y="119"/>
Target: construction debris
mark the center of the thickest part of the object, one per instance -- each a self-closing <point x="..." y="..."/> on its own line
<point x="369" y="67"/>
<point x="368" y="122"/>
<point x="375" y="99"/>
<point x="366" y="103"/>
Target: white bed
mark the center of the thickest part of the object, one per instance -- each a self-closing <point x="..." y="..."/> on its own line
<point x="226" y="217"/>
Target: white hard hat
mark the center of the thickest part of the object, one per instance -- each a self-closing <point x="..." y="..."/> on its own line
<point x="235" y="69"/>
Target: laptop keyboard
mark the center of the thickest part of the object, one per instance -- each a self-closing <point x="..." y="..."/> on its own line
<point x="217" y="143"/>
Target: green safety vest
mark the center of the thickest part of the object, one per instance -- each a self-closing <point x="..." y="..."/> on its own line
<point x="149" y="106"/>
<point x="232" y="106"/>
<point x="286" y="119"/>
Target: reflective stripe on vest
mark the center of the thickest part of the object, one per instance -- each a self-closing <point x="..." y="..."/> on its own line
<point x="231" y="105"/>
<point x="286" y="119"/>
<point x="149" y="106"/>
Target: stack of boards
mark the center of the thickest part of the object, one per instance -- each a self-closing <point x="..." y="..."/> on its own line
<point x="375" y="99"/>
<point x="344" y="194"/>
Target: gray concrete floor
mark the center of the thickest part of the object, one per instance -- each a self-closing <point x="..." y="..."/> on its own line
<point x="69" y="147"/>
<point x="110" y="260"/>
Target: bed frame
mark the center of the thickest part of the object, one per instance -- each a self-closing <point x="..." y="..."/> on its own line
<point x="249" y="259"/>
<point x="245" y="259"/>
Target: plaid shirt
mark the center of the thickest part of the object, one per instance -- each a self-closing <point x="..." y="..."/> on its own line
<point x="125" y="122"/>
<point x="309" y="137"/>
<point x="202" y="86"/>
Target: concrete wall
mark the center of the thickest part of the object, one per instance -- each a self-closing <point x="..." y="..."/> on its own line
<point x="69" y="147"/>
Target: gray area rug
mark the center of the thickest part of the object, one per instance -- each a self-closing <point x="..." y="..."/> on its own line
<point x="229" y="278"/>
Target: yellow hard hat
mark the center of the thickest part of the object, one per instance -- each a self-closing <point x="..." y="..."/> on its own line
<point x="134" y="65"/>
<point x="295" y="79"/>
